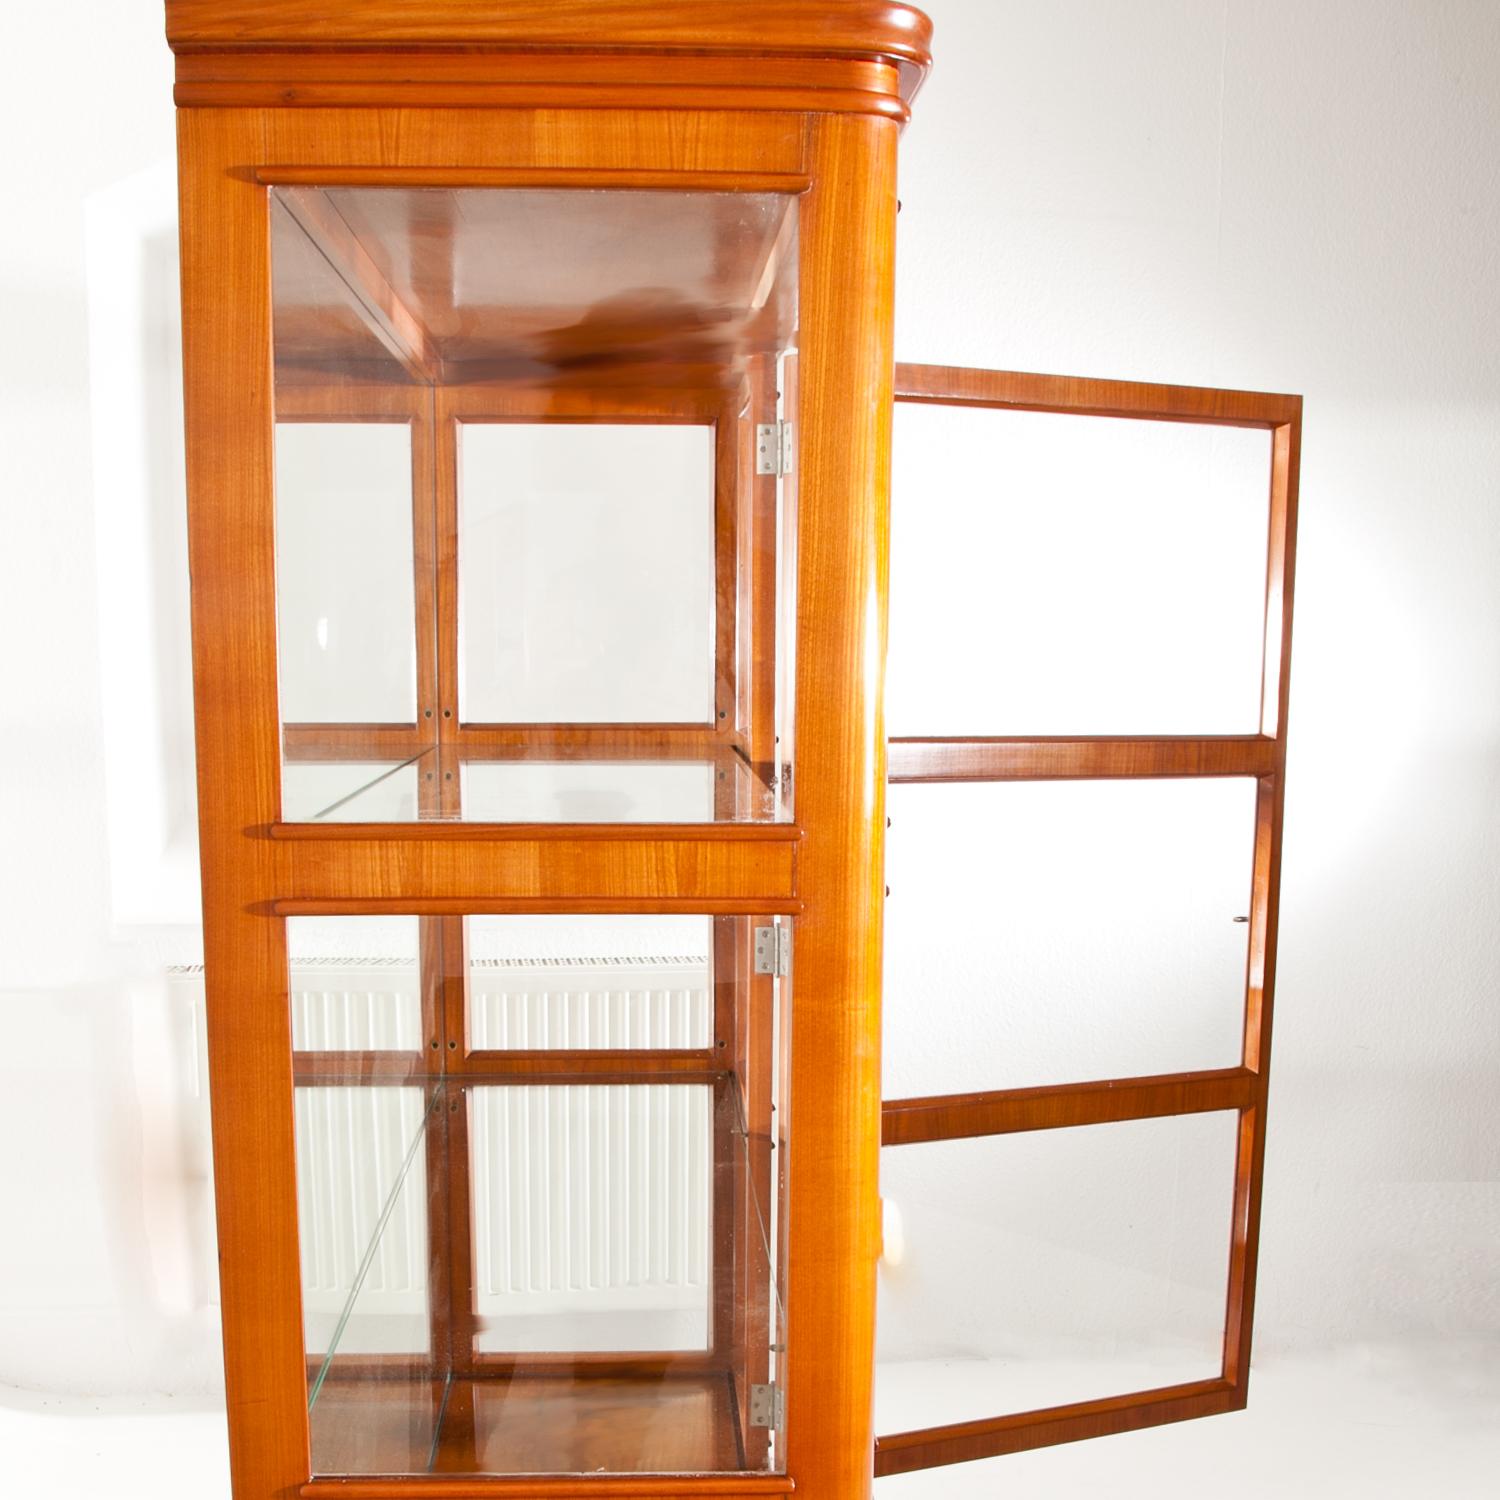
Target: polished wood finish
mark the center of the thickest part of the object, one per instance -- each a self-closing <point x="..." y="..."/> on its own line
<point x="228" y="395"/>
<point x="949" y="1117"/>
<point x="789" y="99"/>
<point x="844" y="372"/>
<point x="963" y="1442"/>
<point x="951" y="385"/>
<point x="1062" y="759"/>
<point x="1261" y="756"/>
<point x="857" y="56"/>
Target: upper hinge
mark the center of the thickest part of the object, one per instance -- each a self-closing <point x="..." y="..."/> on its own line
<point x="773" y="448"/>
<point x="767" y="1406"/>
<point x="773" y="950"/>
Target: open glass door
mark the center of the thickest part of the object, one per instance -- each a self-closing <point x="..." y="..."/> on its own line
<point x="1088" y="740"/>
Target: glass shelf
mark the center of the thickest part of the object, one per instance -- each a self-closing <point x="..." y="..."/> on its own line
<point x="526" y="787"/>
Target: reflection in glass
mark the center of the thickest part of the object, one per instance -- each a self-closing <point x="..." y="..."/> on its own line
<point x="344" y="573"/>
<point x="355" y="984"/>
<point x="567" y="1261"/>
<point x="520" y="524"/>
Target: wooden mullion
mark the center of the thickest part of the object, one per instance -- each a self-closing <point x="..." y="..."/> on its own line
<point x="728" y="503"/>
<point x="962" y="1442"/>
<point x="1005" y="758"/>
<point x="445" y="508"/>
<point x="425" y="562"/>
<point x="724" y="1333"/>
<point x="947" y="1117"/>
<point x="1014" y="390"/>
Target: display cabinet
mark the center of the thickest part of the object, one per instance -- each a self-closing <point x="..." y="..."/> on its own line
<point x="539" y="392"/>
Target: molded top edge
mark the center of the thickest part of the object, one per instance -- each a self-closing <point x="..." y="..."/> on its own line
<point x="834" y="28"/>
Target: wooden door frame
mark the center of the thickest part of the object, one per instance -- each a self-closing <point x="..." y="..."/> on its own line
<point x="1261" y="756"/>
<point x="826" y="867"/>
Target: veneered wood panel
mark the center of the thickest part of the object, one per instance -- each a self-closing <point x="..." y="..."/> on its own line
<point x="228" y="400"/>
<point x="435" y="875"/>
<point x="844" y="416"/>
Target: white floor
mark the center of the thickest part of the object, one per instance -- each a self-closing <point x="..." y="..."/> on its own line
<point x="1414" y="1423"/>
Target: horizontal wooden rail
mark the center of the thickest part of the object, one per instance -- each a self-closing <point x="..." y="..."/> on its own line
<point x="620" y="1065"/>
<point x="450" y="870"/>
<point x="548" y="1487"/>
<point x="949" y="1117"/>
<point x="1015" y="390"/>
<point x="1083" y="759"/>
<point x="933" y="1446"/>
<point x="356" y="742"/>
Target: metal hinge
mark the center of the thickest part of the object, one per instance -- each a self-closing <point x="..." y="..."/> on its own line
<point x="767" y="1406"/>
<point x="773" y="950"/>
<point x="773" y="448"/>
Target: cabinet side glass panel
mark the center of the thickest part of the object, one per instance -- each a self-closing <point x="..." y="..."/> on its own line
<point x="555" y="1248"/>
<point x="534" y="504"/>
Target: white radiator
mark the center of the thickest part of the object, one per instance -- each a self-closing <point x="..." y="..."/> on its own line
<point x="590" y="1206"/>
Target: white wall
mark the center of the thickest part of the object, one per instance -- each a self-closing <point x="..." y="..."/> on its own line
<point x="1279" y="195"/>
<point x="1285" y="196"/>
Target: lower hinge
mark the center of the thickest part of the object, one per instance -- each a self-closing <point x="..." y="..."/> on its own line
<point x="773" y="448"/>
<point x="767" y="1406"/>
<point x="773" y="950"/>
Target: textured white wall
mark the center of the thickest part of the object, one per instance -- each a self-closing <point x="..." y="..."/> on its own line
<point x="1279" y="195"/>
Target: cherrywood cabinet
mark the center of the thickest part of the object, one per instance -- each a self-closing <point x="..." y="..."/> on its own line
<point x="539" y="393"/>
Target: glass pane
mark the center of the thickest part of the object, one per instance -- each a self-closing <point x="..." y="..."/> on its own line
<point x="1060" y="932"/>
<point x="346" y="611"/>
<point x="639" y="1157"/>
<point x="591" y="982"/>
<point x="520" y="518"/>
<point x="1035" y="1270"/>
<point x="588" y="792"/>
<point x="355" y="984"/>
<point x="1096" y="575"/>
<point x="542" y="1273"/>
<point x="586" y="573"/>
<point x="361" y="1188"/>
